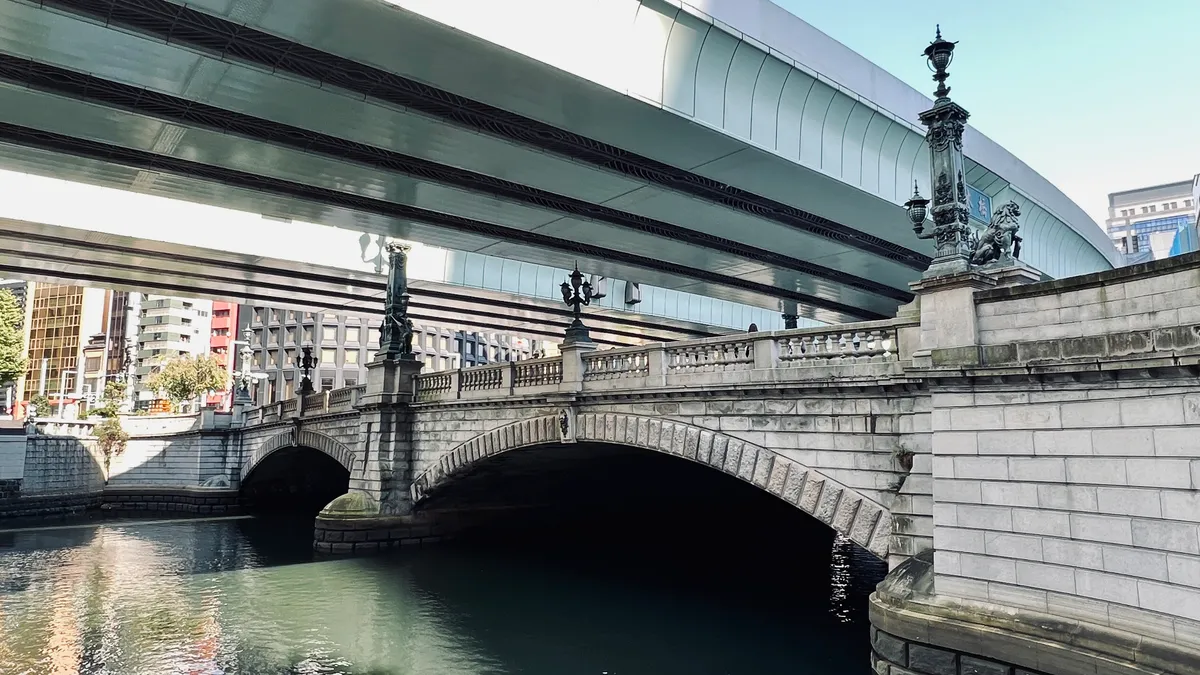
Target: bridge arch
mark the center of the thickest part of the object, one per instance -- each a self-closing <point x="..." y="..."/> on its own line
<point x="860" y="519"/>
<point x="305" y="439"/>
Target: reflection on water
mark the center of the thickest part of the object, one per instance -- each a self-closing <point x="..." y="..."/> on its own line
<point x="247" y="596"/>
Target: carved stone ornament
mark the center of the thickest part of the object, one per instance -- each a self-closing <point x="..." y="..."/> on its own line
<point x="942" y="192"/>
<point x="564" y="422"/>
<point x="999" y="241"/>
<point x="962" y="189"/>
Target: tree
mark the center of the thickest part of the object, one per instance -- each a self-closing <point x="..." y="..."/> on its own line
<point x="12" y="338"/>
<point x="40" y="404"/>
<point x="185" y="377"/>
<point x="110" y="438"/>
<point x="110" y="401"/>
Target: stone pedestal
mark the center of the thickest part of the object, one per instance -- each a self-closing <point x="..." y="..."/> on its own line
<point x="948" y="322"/>
<point x="391" y="381"/>
<point x="572" y="356"/>
<point x="1011" y="273"/>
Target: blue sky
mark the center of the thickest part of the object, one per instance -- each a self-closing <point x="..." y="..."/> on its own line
<point x="1097" y="96"/>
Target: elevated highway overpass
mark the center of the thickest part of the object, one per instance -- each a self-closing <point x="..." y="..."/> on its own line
<point x="732" y="152"/>
<point x="42" y="252"/>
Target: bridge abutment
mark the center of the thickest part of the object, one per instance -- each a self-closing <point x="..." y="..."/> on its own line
<point x="1066" y="522"/>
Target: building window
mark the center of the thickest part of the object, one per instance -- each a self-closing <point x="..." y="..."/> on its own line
<point x="1153" y="208"/>
<point x="351" y="357"/>
<point x="308" y="334"/>
<point x="329" y="333"/>
<point x="1174" y="205"/>
<point x="351" y="382"/>
<point x="1187" y="203"/>
<point x="372" y="336"/>
<point x="329" y="356"/>
<point x="326" y="383"/>
<point x="352" y="334"/>
<point x="187" y="305"/>
<point x="1145" y="209"/>
<point x="220" y="313"/>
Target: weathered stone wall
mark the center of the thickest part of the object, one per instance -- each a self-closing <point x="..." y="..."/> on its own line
<point x="12" y="453"/>
<point x="182" y="460"/>
<point x="893" y="655"/>
<point x="58" y="465"/>
<point x="1143" y="299"/>
<point x="438" y="429"/>
<point x="1075" y="499"/>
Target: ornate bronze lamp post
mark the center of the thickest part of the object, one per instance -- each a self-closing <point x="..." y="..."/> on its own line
<point x="957" y="246"/>
<point x="244" y="376"/>
<point x="396" y="334"/>
<point x="945" y="121"/>
<point x="306" y="363"/>
<point x="576" y="294"/>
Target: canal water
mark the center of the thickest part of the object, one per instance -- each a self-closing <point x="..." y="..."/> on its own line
<point x="248" y="596"/>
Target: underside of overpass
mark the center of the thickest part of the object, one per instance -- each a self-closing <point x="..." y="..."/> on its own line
<point x="155" y="105"/>
<point x="57" y="254"/>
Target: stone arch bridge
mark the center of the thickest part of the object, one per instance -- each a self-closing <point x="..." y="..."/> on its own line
<point x="1023" y="453"/>
<point x="825" y="427"/>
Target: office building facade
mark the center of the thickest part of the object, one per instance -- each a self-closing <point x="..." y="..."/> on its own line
<point x="62" y="320"/>
<point x="169" y="327"/>
<point x="343" y="345"/>
<point x="1153" y="222"/>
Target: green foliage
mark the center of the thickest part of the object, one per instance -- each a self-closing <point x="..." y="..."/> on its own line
<point x="41" y="404"/>
<point x="12" y="338"/>
<point x="110" y="401"/>
<point x="183" y="378"/>
<point x="110" y="438"/>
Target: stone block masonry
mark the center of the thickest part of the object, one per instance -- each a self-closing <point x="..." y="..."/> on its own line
<point x="1081" y="499"/>
<point x="891" y="655"/>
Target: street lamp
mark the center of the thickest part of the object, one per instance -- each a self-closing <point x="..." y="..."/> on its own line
<point x="244" y="377"/>
<point x="917" y="208"/>
<point x="396" y="333"/>
<point x="576" y="294"/>
<point x="306" y="363"/>
<point x="938" y="55"/>
<point x="945" y="123"/>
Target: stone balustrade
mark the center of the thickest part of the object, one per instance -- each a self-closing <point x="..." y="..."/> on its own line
<point x="864" y="350"/>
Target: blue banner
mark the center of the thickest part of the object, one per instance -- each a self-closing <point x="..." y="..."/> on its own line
<point x="979" y="205"/>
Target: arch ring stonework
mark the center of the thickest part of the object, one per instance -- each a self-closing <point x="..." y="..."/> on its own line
<point x="862" y="520"/>
<point x="304" y="439"/>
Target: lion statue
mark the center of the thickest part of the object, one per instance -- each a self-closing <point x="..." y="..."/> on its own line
<point x="999" y="241"/>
